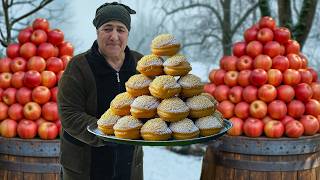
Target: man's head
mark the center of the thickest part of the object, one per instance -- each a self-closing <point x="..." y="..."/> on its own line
<point x="112" y="22"/>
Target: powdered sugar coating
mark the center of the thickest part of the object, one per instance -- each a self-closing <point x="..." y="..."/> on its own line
<point x="157" y="126"/>
<point x="127" y="122"/>
<point x="150" y="60"/>
<point x="122" y="99"/>
<point x="175" y="60"/>
<point x="145" y="102"/>
<point x="163" y="40"/>
<point x="189" y="81"/>
<point x="184" y="126"/>
<point x="199" y="102"/>
<point x="165" y="81"/>
<point x="208" y="122"/>
<point x="108" y="118"/>
<point x="138" y="81"/>
<point x="173" y="105"/>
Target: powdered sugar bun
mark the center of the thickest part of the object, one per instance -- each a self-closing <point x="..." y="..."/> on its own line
<point x="191" y="85"/>
<point x="165" y="45"/>
<point x="164" y="86"/>
<point x="208" y="125"/>
<point x="184" y="129"/>
<point x="173" y="109"/>
<point x="120" y="105"/>
<point x="150" y="65"/>
<point x="127" y="127"/>
<point x="144" y="107"/>
<point x="138" y="85"/>
<point x="200" y="106"/>
<point x="177" y="65"/>
<point x="106" y="122"/>
<point x="155" y="130"/>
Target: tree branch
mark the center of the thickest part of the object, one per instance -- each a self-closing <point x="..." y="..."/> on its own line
<point x="264" y="8"/>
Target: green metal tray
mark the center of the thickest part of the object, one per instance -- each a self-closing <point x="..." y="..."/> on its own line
<point x="93" y="128"/>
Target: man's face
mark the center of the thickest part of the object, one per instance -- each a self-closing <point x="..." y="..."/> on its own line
<point x="112" y="38"/>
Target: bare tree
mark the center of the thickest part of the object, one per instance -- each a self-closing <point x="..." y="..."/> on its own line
<point x="17" y="14"/>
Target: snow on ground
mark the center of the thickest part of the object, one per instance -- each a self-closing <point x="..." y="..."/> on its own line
<point x="159" y="164"/>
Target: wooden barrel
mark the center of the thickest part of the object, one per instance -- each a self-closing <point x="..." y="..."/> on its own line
<point x="237" y="158"/>
<point x="29" y="159"/>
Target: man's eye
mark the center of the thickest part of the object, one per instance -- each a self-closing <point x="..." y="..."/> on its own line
<point x="107" y="30"/>
<point x="121" y="30"/>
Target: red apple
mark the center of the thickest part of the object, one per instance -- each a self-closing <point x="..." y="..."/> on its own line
<point x="46" y="50"/>
<point x="211" y="74"/>
<point x="55" y="36"/>
<point x="32" y="111"/>
<point x="58" y="124"/>
<point x="273" y="129"/>
<point x="315" y="86"/>
<point x="294" y="129"/>
<point x="27" y="50"/>
<point x="258" y="77"/>
<point x="9" y="96"/>
<point x="15" y="112"/>
<point x="235" y="94"/>
<point x="65" y="48"/>
<point x="294" y="61"/>
<point x="54" y="64"/>
<point x="250" y="34"/>
<point x="65" y="59"/>
<point x="277" y="109"/>
<point x="13" y="50"/>
<point x="310" y="124"/>
<point x="218" y="78"/>
<point x="274" y="77"/>
<point x="281" y="63"/>
<point x="8" y="128"/>
<point x="23" y="95"/>
<point x="265" y="35"/>
<point x="54" y="93"/>
<point x="226" y="108"/>
<point x="39" y="121"/>
<point x="221" y="93"/>
<point x="253" y="127"/>
<point x="38" y="36"/>
<point x="304" y="61"/>
<point x="258" y="109"/>
<point x="295" y="109"/>
<point x="24" y="35"/>
<point x="231" y="78"/>
<point x="27" y="129"/>
<point x="291" y="77"/>
<point x="312" y="107"/>
<point x="286" y="119"/>
<point x="59" y="75"/>
<point x="244" y="78"/>
<point x="3" y="111"/>
<point x="48" y="130"/>
<point x="228" y="63"/>
<point x="306" y="76"/>
<point x="244" y="63"/>
<point x="303" y="92"/>
<point x="282" y="50"/>
<point x="293" y="47"/>
<point x="239" y="49"/>
<point x="250" y="94"/>
<point x="285" y="93"/>
<point x="267" y="22"/>
<point x="272" y="49"/>
<point x="5" y="64"/>
<point x="241" y="110"/>
<point x="5" y="80"/>
<point x="263" y="62"/>
<point x="50" y="111"/>
<point x="41" y="23"/>
<point x="36" y="63"/>
<point x="208" y="88"/>
<point x="18" y="64"/>
<point x="237" y="125"/>
<point x="32" y="79"/>
<point x="267" y="93"/>
<point x="282" y="34"/>
<point x="254" y="48"/>
<point x="314" y="74"/>
<point x="48" y="79"/>
<point x="266" y="119"/>
<point x="41" y="94"/>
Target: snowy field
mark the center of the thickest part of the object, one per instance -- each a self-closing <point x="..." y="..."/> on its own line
<point x="160" y="164"/>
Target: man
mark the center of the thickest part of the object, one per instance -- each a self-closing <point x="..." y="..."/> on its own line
<point x="88" y="85"/>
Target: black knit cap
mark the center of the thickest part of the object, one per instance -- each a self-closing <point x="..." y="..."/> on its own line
<point x="113" y="11"/>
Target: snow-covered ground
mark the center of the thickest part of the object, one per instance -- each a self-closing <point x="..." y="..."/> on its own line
<point x="160" y="164"/>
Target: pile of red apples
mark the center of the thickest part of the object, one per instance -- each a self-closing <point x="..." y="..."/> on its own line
<point x="29" y="76"/>
<point x="266" y="87"/>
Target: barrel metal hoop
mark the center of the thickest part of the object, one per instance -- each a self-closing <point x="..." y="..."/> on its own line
<point x="30" y="147"/>
<point x="30" y="167"/>
<point x="260" y="165"/>
<point x="269" y="146"/>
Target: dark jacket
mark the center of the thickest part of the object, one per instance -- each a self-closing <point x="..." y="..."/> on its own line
<point x="78" y="107"/>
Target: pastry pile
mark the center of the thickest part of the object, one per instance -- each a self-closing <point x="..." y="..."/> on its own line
<point x="164" y="101"/>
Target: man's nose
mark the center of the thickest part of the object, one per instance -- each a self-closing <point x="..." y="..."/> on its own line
<point x="114" y="35"/>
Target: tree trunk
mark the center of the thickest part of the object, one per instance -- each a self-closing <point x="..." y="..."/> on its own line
<point x="285" y="14"/>
<point x="304" y="24"/>
<point x="226" y="29"/>
<point x="264" y="8"/>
